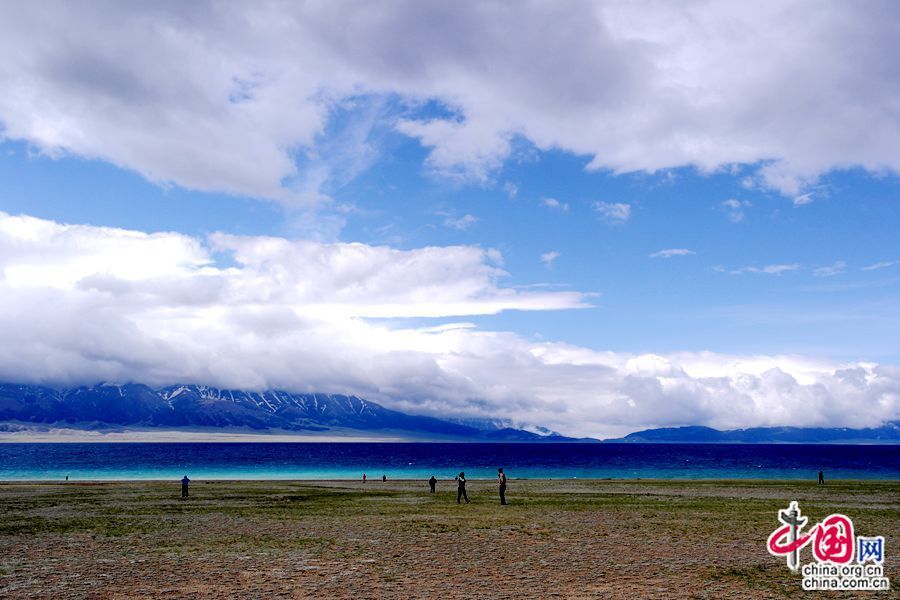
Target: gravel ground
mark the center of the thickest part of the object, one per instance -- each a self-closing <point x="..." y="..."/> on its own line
<point x="556" y="539"/>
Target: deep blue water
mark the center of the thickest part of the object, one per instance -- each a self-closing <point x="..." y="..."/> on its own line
<point x="409" y="460"/>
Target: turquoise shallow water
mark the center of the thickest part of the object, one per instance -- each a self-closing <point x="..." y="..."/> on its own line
<point x="420" y="461"/>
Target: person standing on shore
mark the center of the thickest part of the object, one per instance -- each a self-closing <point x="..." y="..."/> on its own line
<point x="184" y="486"/>
<point x="461" y="487"/>
<point x="432" y="482"/>
<point x="383" y="478"/>
<point x="821" y="477"/>
<point x="501" y="478"/>
<point x="364" y="477"/>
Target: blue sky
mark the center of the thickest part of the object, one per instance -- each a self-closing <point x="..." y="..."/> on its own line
<point x="643" y="303"/>
<point x="723" y="210"/>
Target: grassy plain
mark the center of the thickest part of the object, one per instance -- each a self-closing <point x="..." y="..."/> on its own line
<point x="556" y="539"/>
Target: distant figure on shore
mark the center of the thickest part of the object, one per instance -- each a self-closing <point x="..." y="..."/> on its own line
<point x="67" y="477"/>
<point x="364" y="477"/>
<point x="501" y="479"/>
<point x="821" y="477"/>
<point x="184" y="486"/>
<point x="461" y="487"/>
<point x="383" y="478"/>
<point x="432" y="482"/>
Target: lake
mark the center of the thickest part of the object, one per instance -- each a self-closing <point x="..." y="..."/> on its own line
<point x="113" y="461"/>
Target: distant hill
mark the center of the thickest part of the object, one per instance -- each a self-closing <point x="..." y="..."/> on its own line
<point x="889" y="433"/>
<point x="199" y="406"/>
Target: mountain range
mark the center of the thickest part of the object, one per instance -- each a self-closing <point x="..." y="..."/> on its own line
<point x="198" y="406"/>
<point x="207" y="409"/>
<point x="888" y="433"/>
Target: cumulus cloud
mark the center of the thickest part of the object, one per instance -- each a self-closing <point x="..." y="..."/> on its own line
<point x="555" y="204"/>
<point x="670" y="252"/>
<point x="344" y="279"/>
<point x="735" y="209"/>
<point x="548" y="257"/>
<point x="247" y="99"/>
<point x="831" y="270"/>
<point x="80" y="304"/>
<point x="613" y="212"/>
<point x="461" y="223"/>
<point x="767" y="270"/>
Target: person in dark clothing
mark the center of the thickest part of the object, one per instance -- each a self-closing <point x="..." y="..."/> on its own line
<point x="364" y="477"/>
<point x="383" y="478"/>
<point x="432" y="482"/>
<point x="821" y="478"/>
<point x="184" y="486"/>
<point x="461" y="487"/>
<point x="501" y="478"/>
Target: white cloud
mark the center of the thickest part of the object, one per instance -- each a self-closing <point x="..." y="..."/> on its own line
<point x="881" y="265"/>
<point x="830" y="271"/>
<point x="246" y="100"/>
<point x="548" y="257"/>
<point x="511" y="189"/>
<point x="495" y="256"/>
<point x="83" y="304"/>
<point x="613" y="212"/>
<point x="555" y="204"/>
<point x="349" y="280"/>
<point x="465" y="152"/>
<point x="461" y="223"/>
<point x="670" y="252"/>
<point x="735" y="209"/>
<point x="767" y="270"/>
<point x="803" y="199"/>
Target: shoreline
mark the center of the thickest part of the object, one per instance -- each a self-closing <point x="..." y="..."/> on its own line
<point x="31" y="433"/>
<point x="175" y="436"/>
<point x="372" y="482"/>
